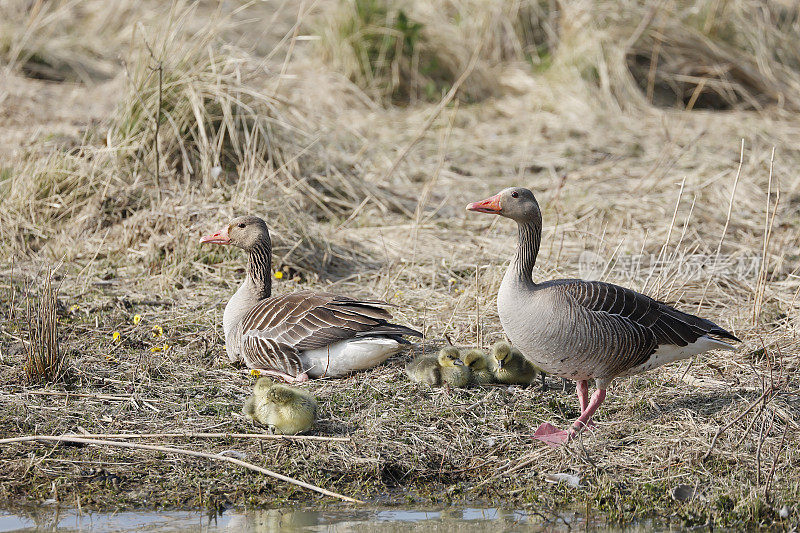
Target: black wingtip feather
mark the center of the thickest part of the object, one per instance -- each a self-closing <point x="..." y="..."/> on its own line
<point x="701" y="325"/>
<point x="389" y="330"/>
<point x="719" y="332"/>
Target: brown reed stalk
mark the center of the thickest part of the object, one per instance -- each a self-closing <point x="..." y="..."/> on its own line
<point x="44" y="360"/>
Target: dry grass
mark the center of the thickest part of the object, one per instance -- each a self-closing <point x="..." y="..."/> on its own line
<point x="724" y="55"/>
<point x="65" y="39"/>
<point x="45" y="362"/>
<point x="403" y="52"/>
<point x="273" y="128"/>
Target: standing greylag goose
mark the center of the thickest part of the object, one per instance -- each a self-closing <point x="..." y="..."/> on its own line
<point x="584" y="330"/>
<point x="305" y="333"/>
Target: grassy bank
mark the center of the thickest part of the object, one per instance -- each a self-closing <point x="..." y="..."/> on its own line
<point x="646" y="133"/>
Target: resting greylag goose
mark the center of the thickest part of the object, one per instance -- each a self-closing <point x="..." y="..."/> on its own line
<point x="305" y="333"/>
<point x="584" y="330"/>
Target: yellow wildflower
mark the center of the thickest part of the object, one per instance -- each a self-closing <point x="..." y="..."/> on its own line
<point x="115" y="336"/>
<point x="137" y="319"/>
<point x="398" y="294"/>
<point x="74" y="308"/>
<point x="255" y="373"/>
<point x="162" y="348"/>
<point x="278" y="274"/>
<point x="158" y="331"/>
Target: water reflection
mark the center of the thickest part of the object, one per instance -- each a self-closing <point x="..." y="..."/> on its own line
<point x="378" y="520"/>
<point x="336" y="519"/>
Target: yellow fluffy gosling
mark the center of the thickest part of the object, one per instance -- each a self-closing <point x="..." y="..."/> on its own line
<point x="454" y="372"/>
<point x="511" y="367"/>
<point x="424" y="370"/>
<point x="284" y="410"/>
<point x="445" y="368"/>
<point x="479" y="365"/>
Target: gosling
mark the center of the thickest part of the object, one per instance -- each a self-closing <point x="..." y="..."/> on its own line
<point x="424" y="370"/>
<point x="283" y="410"/>
<point x="480" y="367"/>
<point x="454" y="372"/>
<point x="445" y="369"/>
<point x="511" y="367"/>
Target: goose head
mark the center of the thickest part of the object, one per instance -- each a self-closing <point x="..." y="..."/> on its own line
<point x="450" y="357"/>
<point x="243" y="232"/>
<point x="516" y="203"/>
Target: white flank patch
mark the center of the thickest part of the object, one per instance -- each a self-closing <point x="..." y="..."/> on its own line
<point x="348" y="356"/>
<point x="669" y="353"/>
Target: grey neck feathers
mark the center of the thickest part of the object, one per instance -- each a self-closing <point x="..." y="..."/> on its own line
<point x="257" y="285"/>
<point x="530" y="235"/>
<point x="259" y="269"/>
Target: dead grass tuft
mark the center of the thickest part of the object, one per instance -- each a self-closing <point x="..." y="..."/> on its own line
<point x="411" y="51"/>
<point x="45" y="361"/>
<point x="712" y="55"/>
<point x="65" y="40"/>
<point x="197" y="96"/>
<point x="200" y="123"/>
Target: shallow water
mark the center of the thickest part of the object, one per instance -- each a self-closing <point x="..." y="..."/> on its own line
<point x="290" y="520"/>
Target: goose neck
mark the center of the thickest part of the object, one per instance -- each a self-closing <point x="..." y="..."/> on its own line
<point x="530" y="235"/>
<point x="259" y="269"/>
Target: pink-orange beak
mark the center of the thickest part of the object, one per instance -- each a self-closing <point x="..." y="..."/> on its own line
<point x="490" y="205"/>
<point x="220" y="237"/>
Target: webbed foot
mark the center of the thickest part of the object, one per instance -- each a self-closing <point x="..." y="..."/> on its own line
<point x="551" y="435"/>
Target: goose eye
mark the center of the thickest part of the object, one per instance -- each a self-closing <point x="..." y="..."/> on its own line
<point x="242" y="224"/>
<point x="515" y="194"/>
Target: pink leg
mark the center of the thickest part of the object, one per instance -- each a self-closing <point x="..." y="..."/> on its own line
<point x="582" y="388"/>
<point x="299" y="378"/>
<point x="552" y="436"/>
<point x="585" y="419"/>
